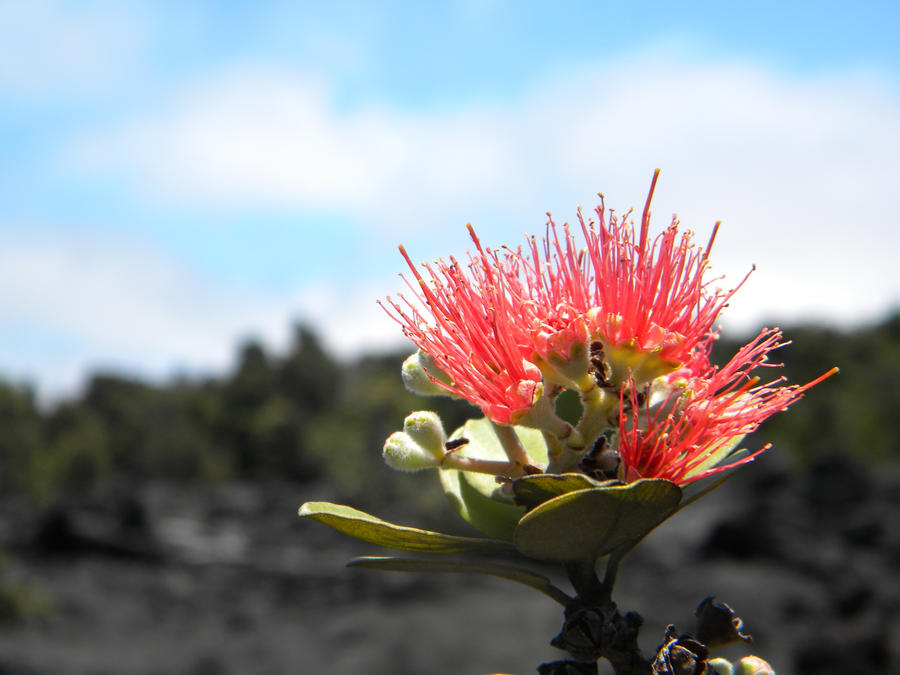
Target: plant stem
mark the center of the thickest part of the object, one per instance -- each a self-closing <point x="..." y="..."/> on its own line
<point x="597" y="406"/>
<point x="563" y="452"/>
<point x="612" y="569"/>
<point x="594" y="628"/>
<point x="512" y="446"/>
<point x="583" y="576"/>
<point x="495" y="468"/>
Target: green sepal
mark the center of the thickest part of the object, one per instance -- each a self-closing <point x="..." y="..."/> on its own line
<point x="531" y="491"/>
<point x="628" y="362"/>
<point x="477" y="497"/>
<point x="522" y="576"/>
<point x="586" y="524"/>
<point x="361" y="525"/>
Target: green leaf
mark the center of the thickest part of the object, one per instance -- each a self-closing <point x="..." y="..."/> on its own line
<point x="477" y="497"/>
<point x="517" y="574"/>
<point x="363" y="526"/>
<point x="530" y="491"/>
<point x="586" y="524"/>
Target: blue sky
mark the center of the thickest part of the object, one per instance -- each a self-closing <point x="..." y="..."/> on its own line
<point x="177" y="176"/>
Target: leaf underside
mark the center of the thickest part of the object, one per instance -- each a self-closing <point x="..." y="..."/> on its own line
<point x="366" y="527"/>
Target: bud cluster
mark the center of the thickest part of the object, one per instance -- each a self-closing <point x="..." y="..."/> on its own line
<point x="419" y="446"/>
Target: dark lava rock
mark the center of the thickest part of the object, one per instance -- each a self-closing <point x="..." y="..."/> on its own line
<point x="835" y="482"/>
<point x="119" y="529"/>
<point x="840" y="656"/>
<point x="8" y="668"/>
<point x="745" y="537"/>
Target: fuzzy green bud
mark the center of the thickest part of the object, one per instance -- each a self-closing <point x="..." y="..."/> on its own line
<point x="426" y="429"/>
<point x="415" y="371"/>
<point x="404" y="454"/>
<point x="419" y="446"/>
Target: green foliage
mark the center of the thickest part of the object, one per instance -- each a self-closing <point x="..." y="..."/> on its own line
<point x="361" y="525"/>
<point x="532" y="491"/>
<point x="76" y="452"/>
<point x="20" y="601"/>
<point x="304" y="415"/>
<point x="588" y="524"/>
<point x="21" y="436"/>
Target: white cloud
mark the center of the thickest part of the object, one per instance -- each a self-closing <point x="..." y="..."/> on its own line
<point x="800" y="170"/>
<point x="117" y="303"/>
<point x="347" y="317"/>
<point x="58" y="49"/>
<point x="256" y="137"/>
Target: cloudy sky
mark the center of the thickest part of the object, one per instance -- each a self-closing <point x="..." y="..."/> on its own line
<point x="176" y="176"/>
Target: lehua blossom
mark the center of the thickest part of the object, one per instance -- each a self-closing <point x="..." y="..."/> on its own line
<point x="471" y="335"/>
<point x="686" y="436"/>
<point x="619" y="313"/>
<point x="488" y="323"/>
<point x="648" y="296"/>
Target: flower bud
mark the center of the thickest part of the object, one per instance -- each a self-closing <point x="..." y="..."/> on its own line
<point x="719" y="666"/>
<point x="419" y="446"/>
<point x="415" y="373"/>
<point x="753" y="665"/>
<point x="425" y="428"/>
<point x="404" y="454"/>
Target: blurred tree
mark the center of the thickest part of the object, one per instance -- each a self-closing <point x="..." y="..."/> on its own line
<point x="305" y="415"/>
<point x="850" y="413"/>
<point x="21" y="436"/>
<point x="308" y="375"/>
<point x="76" y="452"/>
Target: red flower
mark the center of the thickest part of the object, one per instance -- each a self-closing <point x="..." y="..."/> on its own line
<point x="620" y="313"/>
<point x="646" y="296"/>
<point x="473" y="332"/>
<point x="686" y="436"/>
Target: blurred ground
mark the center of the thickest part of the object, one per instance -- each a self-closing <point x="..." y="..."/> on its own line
<point x="156" y="579"/>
